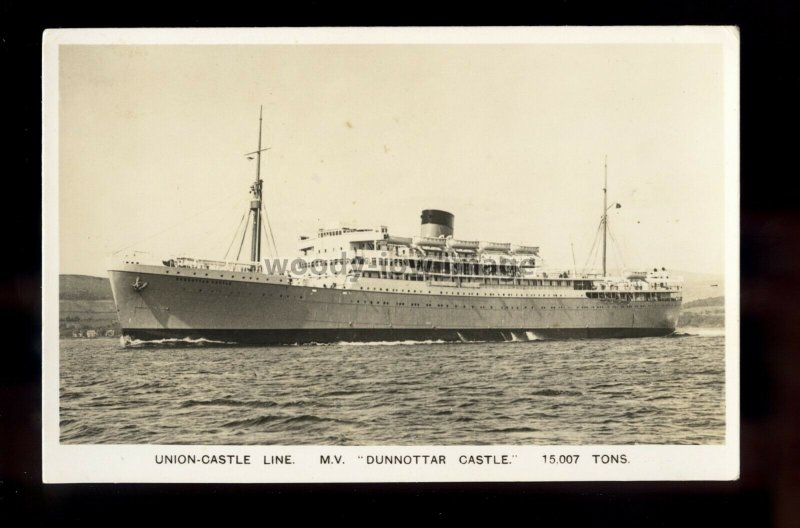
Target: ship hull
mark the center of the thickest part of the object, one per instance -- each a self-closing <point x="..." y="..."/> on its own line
<point x="156" y="303"/>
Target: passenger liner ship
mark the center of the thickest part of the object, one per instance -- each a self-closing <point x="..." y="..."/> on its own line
<point x="368" y="284"/>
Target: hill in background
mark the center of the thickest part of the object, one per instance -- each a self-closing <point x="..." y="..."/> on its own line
<point x="85" y="303"/>
<point x="84" y="288"/>
<point x="703" y="313"/>
<point x="706" y="303"/>
<point x="700" y="285"/>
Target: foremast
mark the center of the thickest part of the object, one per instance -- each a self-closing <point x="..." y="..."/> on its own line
<point x="256" y="191"/>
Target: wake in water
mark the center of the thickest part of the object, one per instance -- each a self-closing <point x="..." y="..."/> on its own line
<point x="127" y="342"/>
<point x="698" y="332"/>
<point x="389" y="343"/>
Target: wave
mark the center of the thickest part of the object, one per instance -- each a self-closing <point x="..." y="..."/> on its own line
<point x="252" y="422"/>
<point x="222" y="402"/>
<point x="344" y="393"/>
<point x="610" y="385"/>
<point x="660" y="397"/>
<point x="514" y="430"/>
<point x="127" y="342"/>
<point x="146" y="385"/>
<point x="713" y="372"/>
<point x="555" y="392"/>
<point x="390" y="343"/>
<point x="283" y="419"/>
<point x="690" y="331"/>
<point x="638" y="413"/>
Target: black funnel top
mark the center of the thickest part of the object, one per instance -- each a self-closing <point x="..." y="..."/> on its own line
<point x="435" y="216"/>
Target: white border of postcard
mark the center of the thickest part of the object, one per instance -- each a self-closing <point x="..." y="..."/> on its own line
<point x="138" y="463"/>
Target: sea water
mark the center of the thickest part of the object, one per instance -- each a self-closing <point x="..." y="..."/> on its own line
<point x="666" y="390"/>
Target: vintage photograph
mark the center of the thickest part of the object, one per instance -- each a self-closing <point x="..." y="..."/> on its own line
<point x="403" y="243"/>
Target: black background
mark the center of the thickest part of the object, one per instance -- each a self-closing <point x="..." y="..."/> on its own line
<point x="768" y="493"/>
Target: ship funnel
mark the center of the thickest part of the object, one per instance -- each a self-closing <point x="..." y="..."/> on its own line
<point x="436" y="224"/>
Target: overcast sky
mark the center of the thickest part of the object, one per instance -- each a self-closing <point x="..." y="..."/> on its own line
<point x="509" y="138"/>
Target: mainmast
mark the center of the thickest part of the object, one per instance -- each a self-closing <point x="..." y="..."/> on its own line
<point x="605" y="212"/>
<point x="255" y="203"/>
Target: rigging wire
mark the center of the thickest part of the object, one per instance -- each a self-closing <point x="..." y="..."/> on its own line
<point x="594" y="246"/>
<point x="244" y="235"/>
<point x="264" y="233"/>
<point x="178" y="224"/>
<point x="235" y="236"/>
<point x="616" y="247"/>
<point x="206" y="205"/>
<point x="227" y="198"/>
<point x="270" y="243"/>
<point x="207" y="236"/>
<point x="266" y="238"/>
<point x="271" y="239"/>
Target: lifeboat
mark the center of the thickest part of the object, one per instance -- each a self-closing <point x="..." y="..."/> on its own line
<point x="494" y="246"/>
<point x="399" y="241"/>
<point x="524" y="250"/>
<point x="429" y="241"/>
<point x="462" y="244"/>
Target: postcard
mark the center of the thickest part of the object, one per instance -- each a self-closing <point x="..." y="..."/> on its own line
<point x="391" y="254"/>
